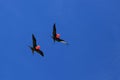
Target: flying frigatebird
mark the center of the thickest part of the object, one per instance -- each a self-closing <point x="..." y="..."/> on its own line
<point x="35" y="46"/>
<point x="56" y="36"/>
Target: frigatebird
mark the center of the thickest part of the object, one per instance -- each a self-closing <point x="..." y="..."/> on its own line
<point x="35" y="46"/>
<point x="56" y="36"/>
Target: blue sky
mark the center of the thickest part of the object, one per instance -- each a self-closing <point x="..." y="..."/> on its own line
<point x="92" y="28"/>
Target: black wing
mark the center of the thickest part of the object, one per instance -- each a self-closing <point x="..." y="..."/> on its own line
<point x="54" y="30"/>
<point x="62" y="41"/>
<point x="34" y="41"/>
<point x="58" y="39"/>
<point x="40" y="52"/>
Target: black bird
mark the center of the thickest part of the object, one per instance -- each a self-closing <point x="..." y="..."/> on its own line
<point x="35" y="46"/>
<point x="56" y="36"/>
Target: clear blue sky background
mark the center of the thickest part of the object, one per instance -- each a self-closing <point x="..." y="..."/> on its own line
<point x="92" y="28"/>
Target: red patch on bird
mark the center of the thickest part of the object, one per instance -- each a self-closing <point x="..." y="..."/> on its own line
<point x="37" y="47"/>
<point x="57" y="35"/>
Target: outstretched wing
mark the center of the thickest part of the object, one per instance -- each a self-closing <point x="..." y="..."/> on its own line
<point x="40" y="52"/>
<point x="58" y="39"/>
<point x="54" y="30"/>
<point x="34" y="41"/>
<point x="62" y="41"/>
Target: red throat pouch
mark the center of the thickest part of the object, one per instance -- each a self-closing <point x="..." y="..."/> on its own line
<point x="57" y="35"/>
<point x="37" y="47"/>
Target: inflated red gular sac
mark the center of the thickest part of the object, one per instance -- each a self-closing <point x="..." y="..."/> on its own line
<point x="57" y="35"/>
<point x="37" y="47"/>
